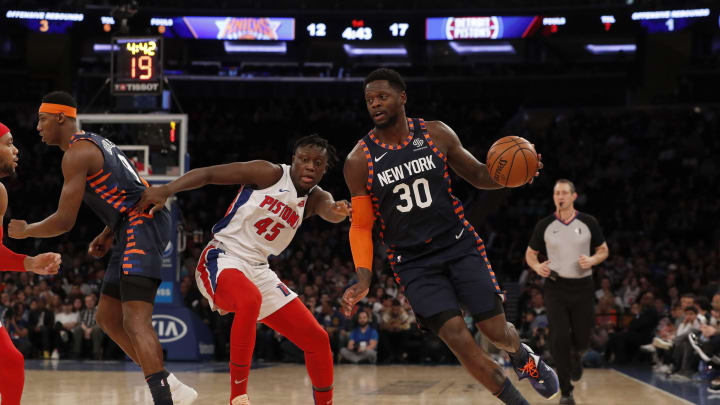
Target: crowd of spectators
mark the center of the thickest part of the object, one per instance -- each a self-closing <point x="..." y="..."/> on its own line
<point x="649" y="175"/>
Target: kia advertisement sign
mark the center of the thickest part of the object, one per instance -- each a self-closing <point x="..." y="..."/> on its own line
<point x="169" y="328"/>
<point x="182" y="334"/>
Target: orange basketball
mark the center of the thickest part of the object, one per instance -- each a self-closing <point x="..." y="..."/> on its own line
<point x="512" y="161"/>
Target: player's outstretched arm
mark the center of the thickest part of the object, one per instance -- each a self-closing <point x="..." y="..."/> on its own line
<point x="44" y="263"/>
<point x="323" y="204"/>
<point x="459" y="158"/>
<point x="260" y="173"/>
<point x="361" y="243"/>
<point x="75" y="165"/>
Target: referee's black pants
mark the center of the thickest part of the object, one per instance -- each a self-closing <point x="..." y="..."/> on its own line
<point x="570" y="306"/>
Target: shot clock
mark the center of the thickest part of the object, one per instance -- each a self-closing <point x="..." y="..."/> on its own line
<point x="136" y="65"/>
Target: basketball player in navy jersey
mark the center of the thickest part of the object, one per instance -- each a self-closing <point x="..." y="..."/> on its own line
<point x="233" y="272"/>
<point x="398" y="173"/>
<point x="12" y="375"/>
<point x="97" y="172"/>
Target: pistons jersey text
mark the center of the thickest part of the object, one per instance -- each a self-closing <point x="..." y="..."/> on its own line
<point x="260" y="223"/>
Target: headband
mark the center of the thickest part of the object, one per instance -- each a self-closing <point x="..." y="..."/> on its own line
<point x="57" y="109"/>
<point x="3" y="130"/>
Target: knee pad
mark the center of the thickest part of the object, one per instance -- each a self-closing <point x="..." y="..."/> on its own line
<point x="316" y="340"/>
<point x="435" y="322"/>
<point x="497" y="309"/>
<point x="235" y="291"/>
<point x="138" y="288"/>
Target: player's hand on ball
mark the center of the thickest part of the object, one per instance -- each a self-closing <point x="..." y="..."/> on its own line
<point x="100" y="245"/>
<point x="44" y="263"/>
<point x="543" y="269"/>
<point x="155" y="196"/>
<point x="539" y="166"/>
<point x="17" y="229"/>
<point x="585" y="262"/>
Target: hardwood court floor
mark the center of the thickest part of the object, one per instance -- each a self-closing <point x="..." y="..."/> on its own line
<point x="287" y="384"/>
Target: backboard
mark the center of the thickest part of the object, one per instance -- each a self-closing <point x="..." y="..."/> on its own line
<point x="157" y="143"/>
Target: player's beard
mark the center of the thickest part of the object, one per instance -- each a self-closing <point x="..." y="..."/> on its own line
<point x="391" y="120"/>
<point x="7" y="170"/>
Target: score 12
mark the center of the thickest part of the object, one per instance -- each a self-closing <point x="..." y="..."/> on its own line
<point x="317" y="29"/>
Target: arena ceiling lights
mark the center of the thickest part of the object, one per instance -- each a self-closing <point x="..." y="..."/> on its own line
<point x="466" y="48"/>
<point x="245" y="47"/>
<point x="597" y="49"/>
<point x="357" y="50"/>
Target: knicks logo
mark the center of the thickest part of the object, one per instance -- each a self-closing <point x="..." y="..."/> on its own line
<point x="283" y="289"/>
<point x="247" y="28"/>
<point x="418" y="142"/>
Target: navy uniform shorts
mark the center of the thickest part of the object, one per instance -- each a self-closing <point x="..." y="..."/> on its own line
<point x="134" y="270"/>
<point x="447" y="275"/>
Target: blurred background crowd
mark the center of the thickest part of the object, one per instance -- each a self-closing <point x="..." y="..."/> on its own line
<point x="648" y="175"/>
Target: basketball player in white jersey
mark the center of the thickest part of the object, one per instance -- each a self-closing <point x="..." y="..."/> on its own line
<point x="233" y="272"/>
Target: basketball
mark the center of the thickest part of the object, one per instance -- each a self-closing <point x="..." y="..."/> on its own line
<point x="512" y="161"/>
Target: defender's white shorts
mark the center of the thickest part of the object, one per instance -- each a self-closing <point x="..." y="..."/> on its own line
<point x="214" y="260"/>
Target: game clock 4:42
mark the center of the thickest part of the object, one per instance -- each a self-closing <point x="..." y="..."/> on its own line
<point x="136" y="65"/>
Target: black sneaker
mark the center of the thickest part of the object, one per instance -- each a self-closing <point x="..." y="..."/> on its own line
<point x="576" y="368"/>
<point x="542" y="378"/>
<point x="567" y="399"/>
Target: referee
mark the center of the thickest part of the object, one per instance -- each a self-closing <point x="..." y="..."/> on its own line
<point x="568" y="238"/>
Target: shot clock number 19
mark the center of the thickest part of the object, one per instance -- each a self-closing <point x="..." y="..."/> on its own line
<point x="143" y="64"/>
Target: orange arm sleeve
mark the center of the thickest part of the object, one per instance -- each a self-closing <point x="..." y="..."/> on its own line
<point x="361" y="243"/>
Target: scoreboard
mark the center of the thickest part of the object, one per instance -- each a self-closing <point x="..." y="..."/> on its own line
<point x="136" y="65"/>
<point x="370" y="26"/>
<point x="359" y="28"/>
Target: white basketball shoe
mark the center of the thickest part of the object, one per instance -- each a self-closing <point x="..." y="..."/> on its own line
<point x="181" y="393"/>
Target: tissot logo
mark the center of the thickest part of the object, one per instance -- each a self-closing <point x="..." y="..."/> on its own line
<point x="169" y="328"/>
